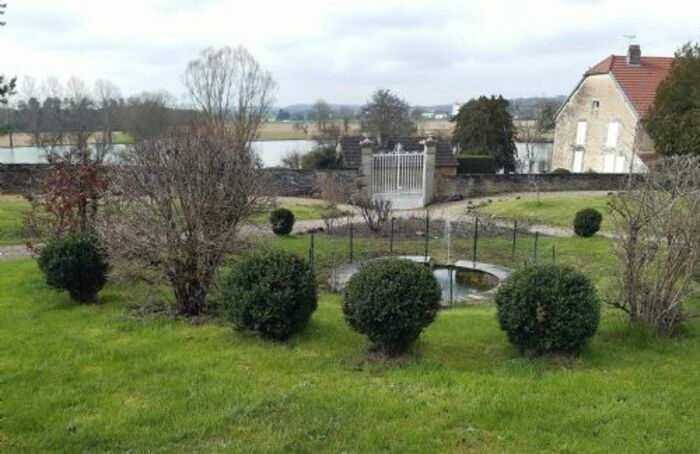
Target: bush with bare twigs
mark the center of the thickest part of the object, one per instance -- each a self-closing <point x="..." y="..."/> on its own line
<point x="657" y="243"/>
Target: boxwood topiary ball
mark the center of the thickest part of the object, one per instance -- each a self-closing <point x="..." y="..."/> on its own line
<point x="587" y="222"/>
<point x="547" y="309"/>
<point x="272" y="293"/>
<point x="75" y="264"/>
<point x="282" y="221"/>
<point x="391" y="301"/>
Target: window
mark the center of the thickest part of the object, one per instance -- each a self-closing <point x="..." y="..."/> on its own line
<point x="609" y="163"/>
<point x="620" y="164"/>
<point x="578" y="161"/>
<point x="596" y="105"/>
<point x="613" y="133"/>
<point x="581" y="128"/>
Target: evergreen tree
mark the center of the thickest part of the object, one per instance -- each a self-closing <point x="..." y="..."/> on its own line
<point x="674" y="119"/>
<point x="483" y="126"/>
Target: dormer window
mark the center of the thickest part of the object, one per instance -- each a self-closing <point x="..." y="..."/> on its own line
<point x="596" y="105"/>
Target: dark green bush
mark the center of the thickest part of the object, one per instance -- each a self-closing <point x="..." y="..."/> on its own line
<point x="474" y="164"/>
<point x="548" y="309"/>
<point x="561" y="171"/>
<point x="282" y="221"/>
<point x="587" y="222"/>
<point x="272" y="293"/>
<point x="321" y="158"/>
<point x="391" y="301"/>
<point x="75" y="264"/>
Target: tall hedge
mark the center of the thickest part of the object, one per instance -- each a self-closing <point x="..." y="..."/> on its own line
<point x="475" y="164"/>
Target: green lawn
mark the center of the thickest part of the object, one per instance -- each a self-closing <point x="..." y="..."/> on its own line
<point x="311" y="209"/>
<point x="12" y="211"/>
<point x="95" y="378"/>
<point x="559" y="210"/>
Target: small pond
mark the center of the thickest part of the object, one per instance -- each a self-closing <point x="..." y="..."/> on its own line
<point x="465" y="282"/>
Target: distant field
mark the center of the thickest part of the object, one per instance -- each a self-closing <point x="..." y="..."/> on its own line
<point x="273" y="130"/>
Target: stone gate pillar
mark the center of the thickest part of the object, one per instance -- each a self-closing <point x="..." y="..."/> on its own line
<point x="429" y="145"/>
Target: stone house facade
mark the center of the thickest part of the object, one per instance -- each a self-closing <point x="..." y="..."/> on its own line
<point x="600" y="126"/>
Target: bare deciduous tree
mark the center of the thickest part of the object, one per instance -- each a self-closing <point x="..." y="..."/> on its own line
<point x="183" y="200"/>
<point x="374" y="212"/>
<point x="230" y="87"/>
<point x="657" y="224"/>
<point x="184" y="195"/>
<point x="107" y="95"/>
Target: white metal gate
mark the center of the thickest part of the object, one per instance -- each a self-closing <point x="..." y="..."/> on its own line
<point x="398" y="177"/>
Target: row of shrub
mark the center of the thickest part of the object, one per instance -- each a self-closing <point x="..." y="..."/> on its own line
<point x="543" y="308"/>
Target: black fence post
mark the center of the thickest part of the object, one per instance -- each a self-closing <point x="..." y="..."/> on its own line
<point x="427" y="233"/>
<point x="554" y="255"/>
<point x="537" y="237"/>
<point x="476" y="240"/>
<point x="515" y="234"/>
<point x="352" y="234"/>
<point x="311" y="250"/>
<point x="391" y="237"/>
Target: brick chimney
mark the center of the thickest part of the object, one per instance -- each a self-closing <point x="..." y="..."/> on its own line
<point x="634" y="55"/>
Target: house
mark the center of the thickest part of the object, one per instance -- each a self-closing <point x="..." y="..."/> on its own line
<point x="600" y="126"/>
<point x="350" y="149"/>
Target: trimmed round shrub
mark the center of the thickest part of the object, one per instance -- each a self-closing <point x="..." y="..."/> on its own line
<point x="75" y="264"/>
<point x="587" y="222"/>
<point x="561" y="171"/>
<point x="282" y="221"/>
<point x="272" y="293"/>
<point x="548" y="309"/>
<point x="391" y="301"/>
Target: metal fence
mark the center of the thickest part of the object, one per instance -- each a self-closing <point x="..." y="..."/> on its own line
<point x="443" y="240"/>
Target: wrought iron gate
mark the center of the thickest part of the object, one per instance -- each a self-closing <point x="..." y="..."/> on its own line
<point x="398" y="177"/>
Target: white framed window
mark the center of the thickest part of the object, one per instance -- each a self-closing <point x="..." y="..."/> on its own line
<point x="613" y="134"/>
<point x="609" y="163"/>
<point x="581" y="129"/>
<point x="595" y="105"/>
<point x="578" y="161"/>
<point x="620" y="164"/>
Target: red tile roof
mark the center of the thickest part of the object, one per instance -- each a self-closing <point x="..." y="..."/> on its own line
<point x="638" y="82"/>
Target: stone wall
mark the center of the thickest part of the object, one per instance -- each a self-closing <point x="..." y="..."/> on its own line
<point x="303" y="183"/>
<point x="20" y="178"/>
<point x="465" y="186"/>
<point x="23" y="178"/>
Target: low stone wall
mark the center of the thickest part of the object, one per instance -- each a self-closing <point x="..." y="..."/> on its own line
<point x="25" y="178"/>
<point x="21" y="178"/>
<point x="465" y="186"/>
<point x="303" y="183"/>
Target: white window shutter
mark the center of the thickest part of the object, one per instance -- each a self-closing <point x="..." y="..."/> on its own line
<point x="613" y="133"/>
<point x="581" y="128"/>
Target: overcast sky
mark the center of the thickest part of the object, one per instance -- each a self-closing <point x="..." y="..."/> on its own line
<point x="430" y="52"/>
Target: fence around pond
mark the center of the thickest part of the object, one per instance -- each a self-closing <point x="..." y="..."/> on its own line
<point x="475" y="239"/>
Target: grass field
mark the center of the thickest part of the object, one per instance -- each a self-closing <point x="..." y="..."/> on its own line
<point x="106" y="377"/>
<point x="12" y="211"/>
<point x="303" y="210"/>
<point x="99" y="378"/>
<point x="558" y="211"/>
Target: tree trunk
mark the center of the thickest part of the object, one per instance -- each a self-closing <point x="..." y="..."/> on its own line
<point x="190" y="295"/>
